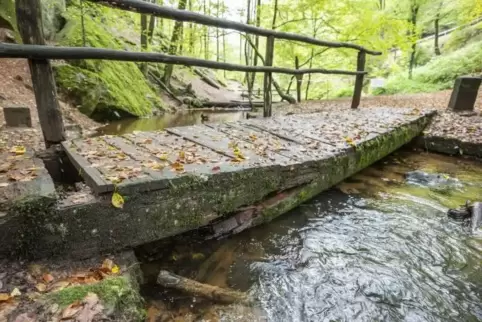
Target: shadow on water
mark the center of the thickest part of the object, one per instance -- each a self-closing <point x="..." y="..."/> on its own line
<point x="179" y="118"/>
<point x="377" y="248"/>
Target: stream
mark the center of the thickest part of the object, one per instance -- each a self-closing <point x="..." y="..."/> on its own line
<point x="379" y="247"/>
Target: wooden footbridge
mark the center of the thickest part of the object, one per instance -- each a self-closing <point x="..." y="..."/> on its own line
<point x="221" y="178"/>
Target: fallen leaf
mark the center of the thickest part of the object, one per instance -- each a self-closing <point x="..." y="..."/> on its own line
<point x="18" y="150"/>
<point x="117" y="200"/>
<point x="216" y="168"/>
<point x="148" y="141"/>
<point x="115" y="269"/>
<point x="90" y="308"/>
<point x="41" y="287"/>
<point x="350" y="141"/>
<point x="48" y="278"/>
<point x="15" y="292"/>
<point x="4" y="297"/>
<point x="108" y="264"/>
<point x="163" y="157"/>
<point x="71" y="311"/>
<point x="182" y="155"/>
<point x="57" y="286"/>
<point x="179" y="167"/>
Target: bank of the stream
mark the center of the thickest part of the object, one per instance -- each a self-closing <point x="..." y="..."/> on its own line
<point x="378" y="248"/>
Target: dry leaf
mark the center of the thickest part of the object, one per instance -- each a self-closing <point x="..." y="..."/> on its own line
<point x="18" y="150"/>
<point x="48" y="278"/>
<point x="216" y="168"/>
<point x="71" y="311"/>
<point x="350" y="141"/>
<point x="182" y="155"/>
<point x="41" y="287"/>
<point x="4" y="297"/>
<point x="57" y="286"/>
<point x="179" y="167"/>
<point x="108" y="264"/>
<point x="163" y="157"/>
<point x="15" y="292"/>
<point x="117" y="200"/>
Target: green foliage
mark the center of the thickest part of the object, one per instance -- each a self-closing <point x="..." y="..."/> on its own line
<point x="423" y="55"/>
<point x="103" y="88"/>
<point x="463" y="37"/>
<point x="344" y="92"/>
<point x="443" y="70"/>
<point x="440" y="73"/>
<point x="8" y="18"/>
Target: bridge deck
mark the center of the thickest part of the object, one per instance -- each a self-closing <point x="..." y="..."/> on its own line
<point x="146" y="161"/>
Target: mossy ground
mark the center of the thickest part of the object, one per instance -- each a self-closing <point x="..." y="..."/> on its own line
<point x="103" y="89"/>
<point x="117" y="294"/>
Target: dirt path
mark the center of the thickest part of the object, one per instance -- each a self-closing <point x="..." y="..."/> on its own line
<point x="16" y="90"/>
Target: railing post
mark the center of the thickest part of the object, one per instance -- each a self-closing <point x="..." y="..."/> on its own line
<point x="299" y="80"/>
<point x="360" y="67"/>
<point x="29" y="18"/>
<point x="268" y="77"/>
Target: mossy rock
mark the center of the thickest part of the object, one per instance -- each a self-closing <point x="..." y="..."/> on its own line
<point x="104" y="90"/>
<point x="119" y="296"/>
<point x="8" y="18"/>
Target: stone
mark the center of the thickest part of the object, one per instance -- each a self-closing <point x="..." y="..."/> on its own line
<point x="464" y="94"/>
<point x="17" y="116"/>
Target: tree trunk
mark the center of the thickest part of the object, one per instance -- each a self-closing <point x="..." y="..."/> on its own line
<point x="256" y="39"/>
<point x="191" y="32"/>
<point x="206" y="31"/>
<point x="436" y="38"/>
<point x="218" y="50"/>
<point x="247" y="53"/>
<point x="176" y="36"/>
<point x="413" y="24"/>
<point x="308" y="83"/>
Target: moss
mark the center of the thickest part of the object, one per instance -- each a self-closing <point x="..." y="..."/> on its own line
<point x="103" y="89"/>
<point x="117" y="294"/>
<point x="8" y="17"/>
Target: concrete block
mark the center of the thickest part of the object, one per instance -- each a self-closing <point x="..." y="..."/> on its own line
<point x="17" y="116"/>
<point x="465" y="93"/>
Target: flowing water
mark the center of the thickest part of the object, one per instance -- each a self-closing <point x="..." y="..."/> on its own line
<point x="178" y="118"/>
<point x="377" y="248"/>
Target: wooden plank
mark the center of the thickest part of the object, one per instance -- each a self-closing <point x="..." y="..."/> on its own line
<point x="93" y="178"/>
<point x="268" y="77"/>
<point x="360" y="65"/>
<point x="265" y="141"/>
<point x="29" y="18"/>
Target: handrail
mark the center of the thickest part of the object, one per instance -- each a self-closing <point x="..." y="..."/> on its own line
<point x="54" y="52"/>
<point x="145" y="7"/>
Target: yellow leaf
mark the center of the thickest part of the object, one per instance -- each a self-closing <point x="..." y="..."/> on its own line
<point x="182" y="155"/>
<point x="178" y="167"/>
<point x="117" y="200"/>
<point x="18" y="150"/>
<point x="163" y="157"/>
<point x="350" y="141"/>
<point x="253" y="137"/>
<point x="115" y="269"/>
<point x="4" y="297"/>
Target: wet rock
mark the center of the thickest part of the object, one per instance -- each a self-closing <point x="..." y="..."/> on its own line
<point x="432" y="180"/>
<point x="476" y="217"/>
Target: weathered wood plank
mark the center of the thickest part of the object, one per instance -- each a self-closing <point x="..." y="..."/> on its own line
<point x="91" y="175"/>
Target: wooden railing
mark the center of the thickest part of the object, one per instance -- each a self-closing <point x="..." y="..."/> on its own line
<point x="39" y="54"/>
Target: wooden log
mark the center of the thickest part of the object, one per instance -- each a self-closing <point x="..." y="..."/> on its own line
<point x="359" y="80"/>
<point x="268" y="77"/>
<point x="214" y="293"/>
<point x="71" y="53"/>
<point x="188" y="16"/>
<point x="299" y="80"/>
<point x="206" y="79"/>
<point x="29" y="16"/>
